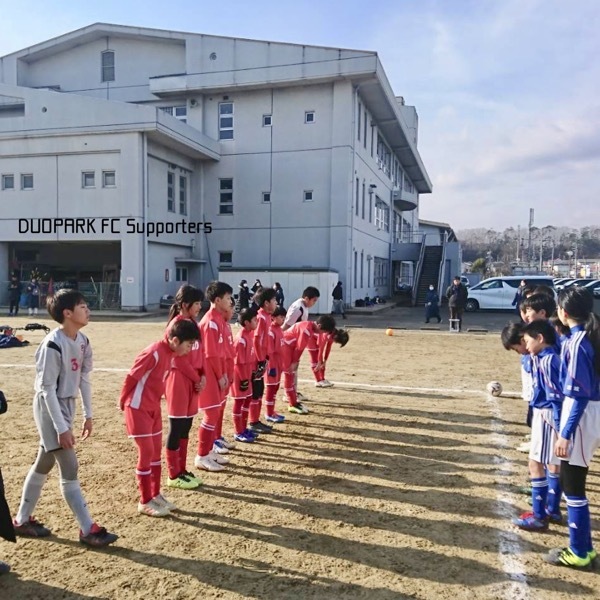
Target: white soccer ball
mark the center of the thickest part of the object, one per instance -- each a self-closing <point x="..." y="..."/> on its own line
<point x="494" y="388"/>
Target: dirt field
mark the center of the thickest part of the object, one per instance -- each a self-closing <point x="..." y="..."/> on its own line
<point x="381" y="492"/>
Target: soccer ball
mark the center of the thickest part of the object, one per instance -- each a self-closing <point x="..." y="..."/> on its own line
<point x="494" y="388"/>
<point x="389" y="331"/>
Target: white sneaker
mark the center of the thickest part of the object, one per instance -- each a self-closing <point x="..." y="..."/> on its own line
<point x="153" y="509"/>
<point x="207" y="463"/>
<point x="321" y="384"/>
<point x="160" y="499"/>
<point x="218" y="458"/>
<point x="229" y="445"/>
<point x="220" y="448"/>
<point x="327" y="383"/>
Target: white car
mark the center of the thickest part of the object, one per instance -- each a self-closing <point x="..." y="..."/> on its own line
<point x="499" y="292"/>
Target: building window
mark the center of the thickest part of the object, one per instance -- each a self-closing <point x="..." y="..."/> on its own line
<point x="308" y="196"/>
<point x="266" y="197"/>
<point x="356" y="198"/>
<point x="362" y="268"/>
<point x="226" y="121"/>
<point x="171" y="191"/>
<point x="88" y="179"/>
<point x="381" y="272"/>
<point x="27" y="181"/>
<point x="181" y="274"/>
<point x="309" y="116"/>
<point x="8" y="182"/>
<point x="370" y="207"/>
<point x="267" y="120"/>
<point x="225" y="196"/>
<point x="372" y="138"/>
<point x="382" y="215"/>
<point x="368" y="271"/>
<point x="108" y="66"/>
<point x="226" y="258"/>
<point x="182" y="195"/>
<point x="109" y="179"/>
<point x="355" y="269"/>
<point x="365" y="130"/>
<point x="359" y="116"/>
<point x="179" y="112"/>
<point x="363" y="199"/>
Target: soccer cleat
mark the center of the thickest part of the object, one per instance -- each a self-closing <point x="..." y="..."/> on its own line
<point x="160" y="499"/>
<point x="592" y="554"/>
<point x="525" y="490"/>
<point x="224" y="442"/>
<point x="565" y="557"/>
<point x="244" y="437"/>
<point x="182" y="482"/>
<point x="555" y="518"/>
<point x="208" y="464"/>
<point x="298" y="409"/>
<point x="218" y="458"/>
<point x="31" y="528"/>
<point x="323" y="384"/>
<point x="529" y="522"/>
<point x="190" y="475"/>
<point x="153" y="509"/>
<point x="219" y="448"/>
<point x="4" y="568"/>
<point x="259" y="427"/>
<point x="98" y="537"/>
<point x="275" y="418"/>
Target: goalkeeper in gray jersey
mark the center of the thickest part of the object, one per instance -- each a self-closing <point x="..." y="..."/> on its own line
<point x="63" y="366"/>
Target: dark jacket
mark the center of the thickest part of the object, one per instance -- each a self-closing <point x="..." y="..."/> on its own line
<point x="338" y="292"/>
<point x="14" y="290"/>
<point x="244" y="297"/>
<point x="279" y="296"/>
<point x="457" y="295"/>
<point x="432" y="298"/>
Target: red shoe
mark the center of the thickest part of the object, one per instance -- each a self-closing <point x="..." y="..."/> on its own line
<point x="97" y="537"/>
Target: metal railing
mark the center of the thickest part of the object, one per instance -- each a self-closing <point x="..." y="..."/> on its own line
<point x="99" y="295"/>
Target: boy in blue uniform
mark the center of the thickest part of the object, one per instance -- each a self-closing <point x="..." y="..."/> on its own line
<point x="546" y="402"/>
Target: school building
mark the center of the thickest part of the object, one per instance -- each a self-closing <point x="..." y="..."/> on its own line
<point x="145" y="158"/>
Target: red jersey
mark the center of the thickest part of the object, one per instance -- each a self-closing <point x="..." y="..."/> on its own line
<point x="145" y="382"/>
<point x="245" y="358"/>
<point x="213" y="331"/>
<point x="191" y="364"/>
<point x="325" y="343"/>
<point x="229" y="354"/>
<point x="275" y="345"/>
<point x="261" y="335"/>
<point x="296" y="339"/>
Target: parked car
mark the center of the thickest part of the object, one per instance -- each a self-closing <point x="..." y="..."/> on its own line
<point x="565" y="282"/>
<point x="594" y="287"/>
<point x="499" y="292"/>
<point x="580" y="281"/>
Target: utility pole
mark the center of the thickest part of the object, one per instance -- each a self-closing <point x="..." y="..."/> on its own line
<point x="529" y="247"/>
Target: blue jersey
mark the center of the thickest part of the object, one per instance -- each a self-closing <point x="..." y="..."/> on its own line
<point x="578" y="376"/>
<point x="526" y="363"/>
<point x="547" y="392"/>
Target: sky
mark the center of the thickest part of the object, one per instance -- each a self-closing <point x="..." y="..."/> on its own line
<point x="507" y="91"/>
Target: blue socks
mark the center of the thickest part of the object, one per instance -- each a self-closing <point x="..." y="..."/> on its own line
<point x="554" y="493"/>
<point x="579" y="525"/>
<point x="539" y="493"/>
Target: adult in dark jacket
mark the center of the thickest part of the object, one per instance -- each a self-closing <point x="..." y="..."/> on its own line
<point x="519" y="296"/>
<point x="338" y="300"/>
<point x="279" y="294"/>
<point x="457" y="295"/>
<point x="14" y="295"/>
<point x="432" y="305"/>
<point x="243" y="295"/>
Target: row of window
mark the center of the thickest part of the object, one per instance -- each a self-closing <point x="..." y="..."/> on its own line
<point x="177" y="192"/>
<point x="226" y="117"/>
<point x="9" y="182"/>
<point x="382" y="210"/>
<point x="380" y="271"/>
<point x="88" y="180"/>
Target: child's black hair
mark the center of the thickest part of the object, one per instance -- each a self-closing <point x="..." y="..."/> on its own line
<point x="512" y="335"/>
<point x="539" y="302"/>
<point x="65" y="299"/>
<point x="341" y="337"/>
<point x="544" y="289"/>
<point x="279" y="312"/>
<point x="184" y="330"/>
<point x="246" y="316"/>
<point x="559" y="326"/>
<point x="578" y="303"/>
<point x="264" y="295"/>
<point x="326" y="323"/>
<point x="311" y="292"/>
<point x="543" y="328"/>
<point x="186" y="296"/>
<point x="527" y="290"/>
<point x="217" y="289"/>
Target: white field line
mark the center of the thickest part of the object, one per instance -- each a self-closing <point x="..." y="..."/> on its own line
<point x="509" y="542"/>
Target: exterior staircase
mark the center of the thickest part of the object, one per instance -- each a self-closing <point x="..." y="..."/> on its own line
<point x="430" y="272"/>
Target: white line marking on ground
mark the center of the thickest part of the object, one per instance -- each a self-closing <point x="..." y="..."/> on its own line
<point x="509" y="542"/>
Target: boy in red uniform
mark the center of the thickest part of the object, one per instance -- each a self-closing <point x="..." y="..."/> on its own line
<point x="274" y="364"/>
<point x="140" y="400"/>
<point x="245" y="365"/>
<point x="214" y="330"/>
<point x="267" y="302"/>
<point x="295" y="340"/>
<point x="184" y="381"/>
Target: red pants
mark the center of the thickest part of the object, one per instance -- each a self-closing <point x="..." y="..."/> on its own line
<point x="212" y="420"/>
<point x="289" y="384"/>
<point x="241" y="408"/>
